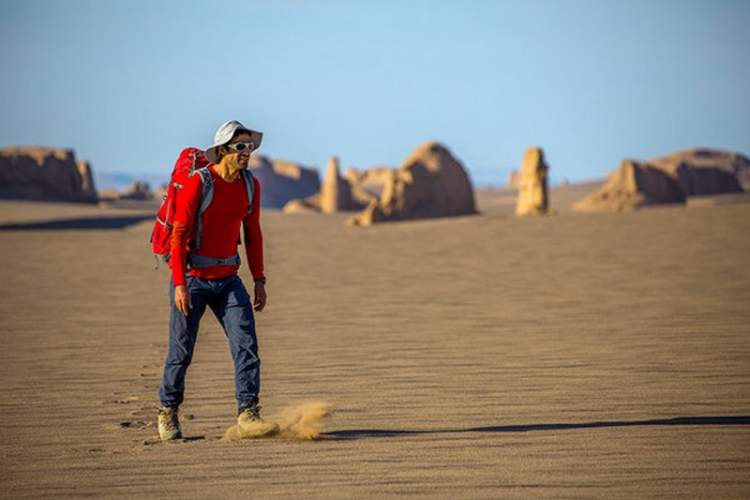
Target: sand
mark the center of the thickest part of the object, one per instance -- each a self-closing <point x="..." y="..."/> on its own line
<point x="477" y="357"/>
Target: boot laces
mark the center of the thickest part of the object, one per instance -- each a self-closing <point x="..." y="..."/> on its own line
<point x="169" y="418"/>
<point x="251" y="412"/>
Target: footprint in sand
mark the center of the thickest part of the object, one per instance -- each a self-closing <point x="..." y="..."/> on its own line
<point x="189" y="439"/>
<point x="125" y="401"/>
<point x="135" y="424"/>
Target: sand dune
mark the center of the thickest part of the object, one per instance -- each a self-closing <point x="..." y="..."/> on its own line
<point x="602" y="355"/>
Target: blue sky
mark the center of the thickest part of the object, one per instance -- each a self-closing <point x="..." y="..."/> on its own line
<point x="127" y="84"/>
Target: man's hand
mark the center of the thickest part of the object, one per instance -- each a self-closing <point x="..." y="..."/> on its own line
<point x="260" y="297"/>
<point x="182" y="299"/>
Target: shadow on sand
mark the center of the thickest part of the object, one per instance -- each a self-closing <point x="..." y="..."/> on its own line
<point x="685" y="421"/>
<point x="115" y="222"/>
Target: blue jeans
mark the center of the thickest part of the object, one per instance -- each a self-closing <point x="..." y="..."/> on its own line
<point x="230" y="302"/>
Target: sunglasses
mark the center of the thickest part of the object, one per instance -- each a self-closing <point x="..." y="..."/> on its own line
<point x="242" y="146"/>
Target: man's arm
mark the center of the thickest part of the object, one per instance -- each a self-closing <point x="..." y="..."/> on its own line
<point x="254" y="236"/>
<point x="188" y="199"/>
<point x="254" y="248"/>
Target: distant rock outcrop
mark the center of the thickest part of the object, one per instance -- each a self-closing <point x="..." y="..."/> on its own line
<point x="532" y="187"/>
<point x="48" y="174"/>
<point x="706" y="171"/>
<point x="87" y="179"/>
<point x="336" y="192"/>
<point x="309" y="205"/>
<point x="514" y="180"/>
<point x="138" y="190"/>
<point x="635" y="184"/>
<point x="431" y="183"/>
<point x="368" y="184"/>
<point x="135" y="191"/>
<point x="669" y="179"/>
<point x="282" y="181"/>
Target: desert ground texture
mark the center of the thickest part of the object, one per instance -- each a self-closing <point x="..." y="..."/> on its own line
<point x="567" y="356"/>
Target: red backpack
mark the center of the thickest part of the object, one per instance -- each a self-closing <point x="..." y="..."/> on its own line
<point x="192" y="161"/>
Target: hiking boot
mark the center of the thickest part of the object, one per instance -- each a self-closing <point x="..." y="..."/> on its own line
<point x="169" y="424"/>
<point x="252" y="426"/>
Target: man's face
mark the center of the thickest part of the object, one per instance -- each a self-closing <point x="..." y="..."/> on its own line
<point x="244" y="155"/>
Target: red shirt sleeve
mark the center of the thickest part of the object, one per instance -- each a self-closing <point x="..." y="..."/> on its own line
<point x="254" y="236"/>
<point x="187" y="201"/>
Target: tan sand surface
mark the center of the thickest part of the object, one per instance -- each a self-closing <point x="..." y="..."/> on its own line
<point x="571" y="356"/>
<point x="21" y="211"/>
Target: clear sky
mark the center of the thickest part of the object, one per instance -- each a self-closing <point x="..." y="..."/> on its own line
<point x="128" y="83"/>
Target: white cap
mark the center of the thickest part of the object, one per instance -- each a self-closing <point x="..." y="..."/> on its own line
<point x="225" y="134"/>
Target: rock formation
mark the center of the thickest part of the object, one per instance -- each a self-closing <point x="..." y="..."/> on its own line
<point x="309" y="205"/>
<point x="87" y="178"/>
<point x="706" y="171"/>
<point x="135" y="191"/>
<point x="532" y="186"/>
<point x="282" y="181"/>
<point x="336" y="192"/>
<point x="47" y="174"/>
<point x="635" y="184"/>
<point x="367" y="185"/>
<point x="430" y="183"/>
<point x="514" y="180"/>
<point x="138" y="190"/>
<point x="669" y="179"/>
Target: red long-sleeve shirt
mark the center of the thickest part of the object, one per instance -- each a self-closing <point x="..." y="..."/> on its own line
<point x="221" y="228"/>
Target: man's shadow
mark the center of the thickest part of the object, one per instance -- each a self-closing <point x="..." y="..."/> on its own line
<point x="681" y="421"/>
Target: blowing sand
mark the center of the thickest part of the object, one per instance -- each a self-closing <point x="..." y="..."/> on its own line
<point x="477" y="357"/>
<point x="304" y="421"/>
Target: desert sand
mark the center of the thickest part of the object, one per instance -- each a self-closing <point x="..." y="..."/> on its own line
<point x="573" y="355"/>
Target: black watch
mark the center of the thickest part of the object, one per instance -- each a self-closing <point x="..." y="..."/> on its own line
<point x="260" y="280"/>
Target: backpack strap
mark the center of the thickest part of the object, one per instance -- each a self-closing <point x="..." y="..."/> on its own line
<point x="247" y="176"/>
<point x="207" y="195"/>
<point x="194" y="158"/>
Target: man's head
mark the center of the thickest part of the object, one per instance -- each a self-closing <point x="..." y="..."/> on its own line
<point x="241" y="144"/>
<point x="234" y="138"/>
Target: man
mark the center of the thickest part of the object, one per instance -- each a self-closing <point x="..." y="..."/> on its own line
<point x="205" y="245"/>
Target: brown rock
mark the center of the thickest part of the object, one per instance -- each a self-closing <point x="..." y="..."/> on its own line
<point x="372" y="179"/>
<point x="336" y="192"/>
<point x="367" y="185"/>
<point x="635" y="184"/>
<point x="282" y="181"/>
<point x="309" y="205"/>
<point x="108" y="195"/>
<point x="692" y="172"/>
<point x="369" y="216"/>
<point x="138" y="190"/>
<point x="46" y="174"/>
<point x="514" y="180"/>
<point x="706" y="171"/>
<point x="532" y="187"/>
<point x="87" y="177"/>
<point x="431" y="183"/>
